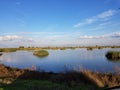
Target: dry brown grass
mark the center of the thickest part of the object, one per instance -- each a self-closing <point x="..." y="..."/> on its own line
<point x="93" y="77"/>
<point x="73" y="78"/>
<point x="102" y="80"/>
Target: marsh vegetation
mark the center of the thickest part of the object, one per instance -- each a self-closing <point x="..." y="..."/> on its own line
<point x="54" y="48"/>
<point x="13" y="79"/>
<point x="113" y="55"/>
<point x="41" y="53"/>
<point x="8" y="49"/>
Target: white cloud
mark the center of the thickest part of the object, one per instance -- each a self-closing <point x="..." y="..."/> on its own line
<point x="106" y="14"/>
<point x="117" y="35"/>
<point x="30" y="40"/>
<point x="9" y="37"/>
<point x="59" y="39"/>
<point x="100" y="17"/>
<point x="91" y="37"/>
<point x="113" y="35"/>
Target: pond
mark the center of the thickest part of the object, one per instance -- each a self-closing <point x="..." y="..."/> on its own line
<point x="62" y="60"/>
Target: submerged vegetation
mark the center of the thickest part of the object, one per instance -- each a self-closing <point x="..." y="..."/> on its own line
<point x="41" y="53"/>
<point x="113" y="55"/>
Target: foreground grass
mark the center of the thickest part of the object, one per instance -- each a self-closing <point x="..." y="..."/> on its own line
<point x="17" y="79"/>
<point x="43" y="85"/>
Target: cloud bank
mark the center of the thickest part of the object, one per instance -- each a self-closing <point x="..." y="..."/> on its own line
<point x="115" y="35"/>
<point x="100" y="17"/>
<point x="58" y="39"/>
<point x="9" y="37"/>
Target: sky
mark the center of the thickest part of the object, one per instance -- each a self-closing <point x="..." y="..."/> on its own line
<point x="59" y="22"/>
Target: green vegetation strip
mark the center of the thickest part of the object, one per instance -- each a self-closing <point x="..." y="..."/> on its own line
<point x="8" y="50"/>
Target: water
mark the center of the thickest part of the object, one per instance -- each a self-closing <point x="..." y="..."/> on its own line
<point x="62" y="60"/>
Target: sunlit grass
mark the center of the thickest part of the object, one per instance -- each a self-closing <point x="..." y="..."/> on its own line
<point x="8" y="50"/>
<point x="41" y="53"/>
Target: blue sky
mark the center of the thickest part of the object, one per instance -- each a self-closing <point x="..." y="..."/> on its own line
<point x="59" y="22"/>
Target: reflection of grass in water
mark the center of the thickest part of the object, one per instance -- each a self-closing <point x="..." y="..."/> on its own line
<point x="40" y="57"/>
<point x="0" y="54"/>
<point x="113" y="55"/>
<point x="113" y="60"/>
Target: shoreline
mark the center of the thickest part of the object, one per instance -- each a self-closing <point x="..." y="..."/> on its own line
<point x="89" y="48"/>
<point x="9" y="75"/>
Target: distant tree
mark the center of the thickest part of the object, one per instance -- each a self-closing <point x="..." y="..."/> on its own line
<point x="29" y="47"/>
<point x="21" y="46"/>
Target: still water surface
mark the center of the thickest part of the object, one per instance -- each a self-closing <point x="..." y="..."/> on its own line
<point x="62" y="60"/>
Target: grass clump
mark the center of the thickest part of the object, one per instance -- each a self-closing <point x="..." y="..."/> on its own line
<point x="41" y="53"/>
<point x="113" y="55"/>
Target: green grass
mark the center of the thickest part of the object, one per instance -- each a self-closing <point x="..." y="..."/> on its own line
<point x="8" y="50"/>
<point x="42" y="85"/>
<point x="41" y="53"/>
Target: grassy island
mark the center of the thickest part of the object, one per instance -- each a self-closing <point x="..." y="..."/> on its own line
<point x="113" y="55"/>
<point x="41" y="53"/>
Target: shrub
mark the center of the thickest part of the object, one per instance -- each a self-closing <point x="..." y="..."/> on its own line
<point x="90" y="48"/>
<point x="21" y="46"/>
<point x="62" y="48"/>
